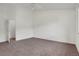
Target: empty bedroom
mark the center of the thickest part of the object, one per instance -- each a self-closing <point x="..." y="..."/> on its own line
<point x="39" y="29"/>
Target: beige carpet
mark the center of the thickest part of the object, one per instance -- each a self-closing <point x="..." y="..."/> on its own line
<point x="37" y="47"/>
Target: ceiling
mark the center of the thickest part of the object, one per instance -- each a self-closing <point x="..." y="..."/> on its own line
<point x="39" y="6"/>
<point x="42" y="6"/>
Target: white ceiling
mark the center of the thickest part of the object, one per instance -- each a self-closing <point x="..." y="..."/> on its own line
<point x="41" y="6"/>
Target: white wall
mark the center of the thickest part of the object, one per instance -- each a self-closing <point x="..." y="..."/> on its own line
<point x="77" y="28"/>
<point x="52" y="22"/>
<point x="55" y="24"/>
<point x="23" y="21"/>
<point x="11" y="18"/>
<point x="22" y="13"/>
<point x="3" y="33"/>
<point x="7" y="13"/>
<point x="77" y="42"/>
<point x="3" y="24"/>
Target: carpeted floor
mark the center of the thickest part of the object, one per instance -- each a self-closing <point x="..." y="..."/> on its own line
<point x="37" y="47"/>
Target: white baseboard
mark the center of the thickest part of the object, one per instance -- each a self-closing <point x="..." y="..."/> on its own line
<point x="1" y="41"/>
<point x="52" y="39"/>
<point x="17" y="39"/>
